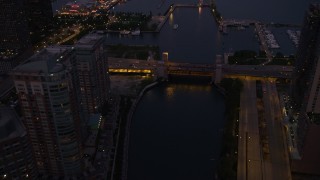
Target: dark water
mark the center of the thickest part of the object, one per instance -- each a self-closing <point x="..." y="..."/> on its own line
<point x="176" y="133"/>
<point x="157" y="7"/>
<point x="278" y="11"/>
<point x="197" y="39"/>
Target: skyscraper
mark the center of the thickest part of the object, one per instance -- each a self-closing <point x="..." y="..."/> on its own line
<point x="48" y="95"/>
<point x="307" y="59"/>
<point x="14" y="33"/>
<point x="16" y="156"/>
<point x="306" y="93"/>
<point x="92" y="66"/>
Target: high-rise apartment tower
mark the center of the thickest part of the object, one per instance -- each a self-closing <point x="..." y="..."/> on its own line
<point x="306" y="94"/>
<point x="47" y="92"/>
<point x="92" y="66"/>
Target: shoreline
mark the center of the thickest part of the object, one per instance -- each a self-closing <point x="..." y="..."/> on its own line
<point x="125" y="160"/>
<point x="124" y="168"/>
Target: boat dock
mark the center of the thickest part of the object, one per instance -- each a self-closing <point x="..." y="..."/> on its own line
<point x="235" y="22"/>
<point x="294" y="36"/>
<point x="263" y="42"/>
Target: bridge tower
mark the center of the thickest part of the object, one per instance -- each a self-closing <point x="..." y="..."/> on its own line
<point x="216" y="78"/>
<point x="162" y="71"/>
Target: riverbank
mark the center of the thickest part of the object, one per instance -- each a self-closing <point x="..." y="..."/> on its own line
<point x="128" y="127"/>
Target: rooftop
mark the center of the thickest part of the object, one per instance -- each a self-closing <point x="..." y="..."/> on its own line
<point x="89" y="41"/>
<point x="10" y="124"/>
<point x="47" y="60"/>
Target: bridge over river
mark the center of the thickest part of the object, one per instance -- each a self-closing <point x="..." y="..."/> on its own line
<point x="160" y="68"/>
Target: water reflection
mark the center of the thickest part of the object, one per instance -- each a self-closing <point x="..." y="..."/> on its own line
<point x="171" y="19"/>
<point x="170" y="89"/>
<point x="169" y="92"/>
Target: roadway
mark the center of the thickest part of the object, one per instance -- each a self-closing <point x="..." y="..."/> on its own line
<point x="249" y="150"/>
<point x="194" y="69"/>
<point x="122" y="63"/>
<point x="258" y="70"/>
<point x="278" y="165"/>
<point x="76" y="30"/>
<point x="251" y="163"/>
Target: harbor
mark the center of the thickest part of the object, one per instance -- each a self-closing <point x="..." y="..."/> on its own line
<point x="271" y="41"/>
<point x="294" y="36"/>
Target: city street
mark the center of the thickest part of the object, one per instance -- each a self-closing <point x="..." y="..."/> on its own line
<point x="278" y="150"/>
<point x="249" y="151"/>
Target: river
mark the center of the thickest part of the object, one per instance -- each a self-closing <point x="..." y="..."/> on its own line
<point x="176" y="133"/>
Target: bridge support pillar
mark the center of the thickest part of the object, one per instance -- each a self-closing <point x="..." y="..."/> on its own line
<point x="216" y="78"/>
<point x="162" y="71"/>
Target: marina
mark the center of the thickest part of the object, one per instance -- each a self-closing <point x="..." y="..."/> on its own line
<point x="294" y="36"/>
<point x="271" y="41"/>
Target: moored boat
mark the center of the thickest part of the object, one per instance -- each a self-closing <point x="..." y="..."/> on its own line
<point x="136" y="32"/>
<point x="124" y="32"/>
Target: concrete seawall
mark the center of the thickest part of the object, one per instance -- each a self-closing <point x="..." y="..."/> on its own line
<point x="128" y="127"/>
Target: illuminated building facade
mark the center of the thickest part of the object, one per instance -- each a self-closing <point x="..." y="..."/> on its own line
<point x="47" y="92"/>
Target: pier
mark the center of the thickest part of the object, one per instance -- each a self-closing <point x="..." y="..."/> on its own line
<point x="263" y="42"/>
<point x="259" y="30"/>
